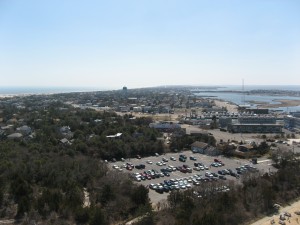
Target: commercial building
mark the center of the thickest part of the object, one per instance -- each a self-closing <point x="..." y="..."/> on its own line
<point x="225" y="121"/>
<point x="257" y="120"/>
<point x="257" y="111"/>
<point x="254" y="128"/>
<point x="165" y="126"/>
<point x="291" y="122"/>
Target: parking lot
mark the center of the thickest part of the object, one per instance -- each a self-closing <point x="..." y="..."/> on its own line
<point x="186" y="178"/>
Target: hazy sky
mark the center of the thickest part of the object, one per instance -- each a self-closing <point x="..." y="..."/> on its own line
<point x="148" y="43"/>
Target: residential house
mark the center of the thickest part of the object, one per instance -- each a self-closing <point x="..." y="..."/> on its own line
<point x="65" y="141"/>
<point x="15" y="136"/>
<point x="25" y="130"/>
<point x="199" y="147"/>
<point x="212" y="151"/>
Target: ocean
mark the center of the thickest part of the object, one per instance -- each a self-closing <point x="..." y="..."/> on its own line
<point x="251" y="87"/>
<point x="45" y="90"/>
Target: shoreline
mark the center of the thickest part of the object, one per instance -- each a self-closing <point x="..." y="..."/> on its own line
<point x="282" y="103"/>
<point x="277" y="103"/>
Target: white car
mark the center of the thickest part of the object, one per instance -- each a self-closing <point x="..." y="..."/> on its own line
<point x="115" y="167"/>
<point x="137" y="178"/>
<point x="165" y="159"/>
<point x="201" y="168"/>
<point x="173" y="158"/>
<point x="149" y="162"/>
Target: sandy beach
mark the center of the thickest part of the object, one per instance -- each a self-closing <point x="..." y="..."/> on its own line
<point x="230" y="106"/>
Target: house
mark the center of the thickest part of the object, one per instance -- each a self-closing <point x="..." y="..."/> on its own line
<point x="245" y="148"/>
<point x="166" y="126"/>
<point x="12" y="121"/>
<point x="66" y="132"/>
<point x="212" y="151"/>
<point x="25" y="130"/>
<point x="8" y="128"/>
<point x="199" y="147"/>
<point x="65" y="129"/>
<point x="15" y="136"/>
<point x="196" y="132"/>
<point x="65" y="141"/>
<point x="137" y="109"/>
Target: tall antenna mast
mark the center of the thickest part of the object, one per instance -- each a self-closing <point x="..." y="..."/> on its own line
<point x="243" y="88"/>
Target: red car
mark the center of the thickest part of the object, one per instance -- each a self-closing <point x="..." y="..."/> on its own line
<point x="128" y="167"/>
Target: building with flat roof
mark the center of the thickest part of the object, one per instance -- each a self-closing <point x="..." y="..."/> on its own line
<point x="254" y="128"/>
<point x="165" y="126"/>
<point x="291" y="122"/>
<point x="257" y="120"/>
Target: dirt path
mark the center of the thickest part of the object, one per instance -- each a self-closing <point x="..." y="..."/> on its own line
<point x="7" y="222"/>
<point x="293" y="220"/>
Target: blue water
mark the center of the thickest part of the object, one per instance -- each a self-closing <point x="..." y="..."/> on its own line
<point x="240" y="99"/>
<point x="45" y="90"/>
<point x="251" y="87"/>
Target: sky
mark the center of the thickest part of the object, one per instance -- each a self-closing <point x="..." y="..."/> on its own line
<point x="137" y="43"/>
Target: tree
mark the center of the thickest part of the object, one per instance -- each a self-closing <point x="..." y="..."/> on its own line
<point x="23" y="206"/>
<point x="263" y="148"/>
<point x="97" y="217"/>
<point x="139" y="195"/>
<point x="107" y="194"/>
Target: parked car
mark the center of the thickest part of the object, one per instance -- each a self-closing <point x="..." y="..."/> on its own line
<point x="222" y="177"/>
<point x="140" y="166"/>
<point x="182" y="159"/>
<point x="182" y="156"/>
<point x="172" y="158"/>
<point x="159" y="163"/>
<point x="215" y="164"/>
<point x="193" y="158"/>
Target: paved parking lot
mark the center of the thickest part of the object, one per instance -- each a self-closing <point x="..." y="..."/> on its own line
<point x="264" y="165"/>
